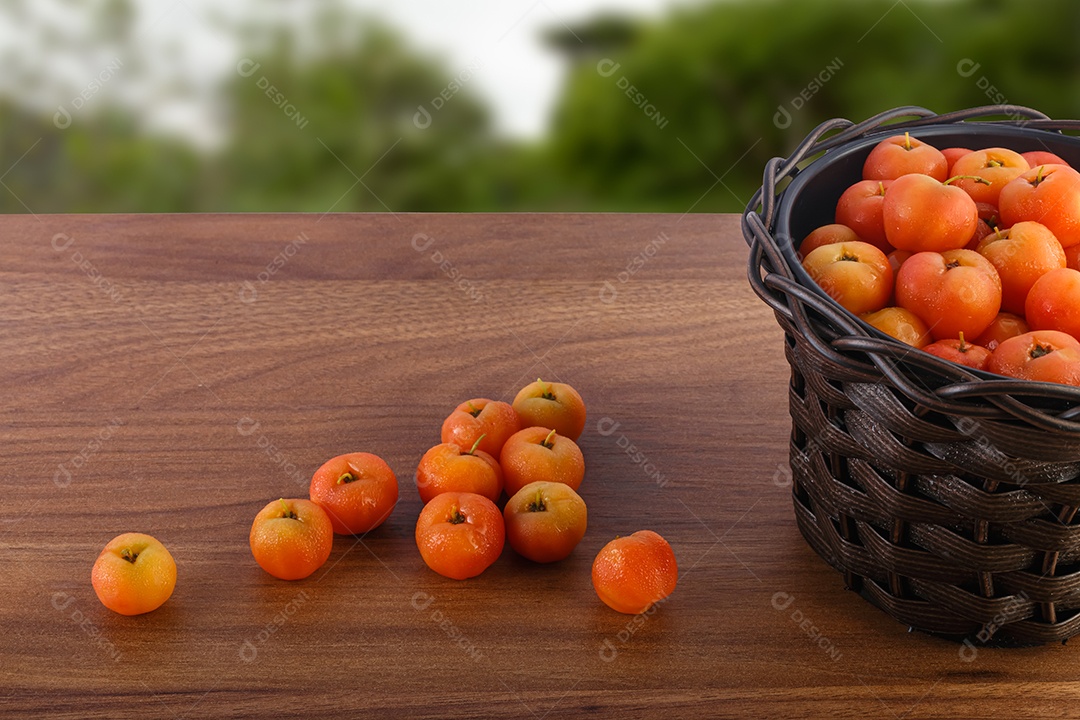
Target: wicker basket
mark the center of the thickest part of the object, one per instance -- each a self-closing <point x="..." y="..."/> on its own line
<point x="946" y="497"/>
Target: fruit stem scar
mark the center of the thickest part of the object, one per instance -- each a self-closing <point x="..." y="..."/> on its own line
<point x="456" y="518"/>
<point x="953" y="264"/>
<point x="549" y="441"/>
<point x="548" y="394"/>
<point x="288" y="513"/>
<point x="473" y="410"/>
<point x="537" y="504"/>
<point x="1037" y="351"/>
<point x="131" y="557"/>
<point x="963" y="347"/>
<point x="346" y="477"/>
<point x="472" y="450"/>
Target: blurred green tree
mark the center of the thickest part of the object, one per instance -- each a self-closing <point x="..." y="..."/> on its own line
<point x="91" y="153"/>
<point x="362" y="122"/>
<point x="683" y="113"/>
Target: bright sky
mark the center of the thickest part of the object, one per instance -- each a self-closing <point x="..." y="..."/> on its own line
<point x="518" y="76"/>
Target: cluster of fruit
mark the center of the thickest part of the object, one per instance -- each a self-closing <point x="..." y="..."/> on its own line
<point x="972" y="255"/>
<point x="460" y="531"/>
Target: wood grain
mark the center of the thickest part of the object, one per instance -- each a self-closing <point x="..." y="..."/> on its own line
<point x="171" y="374"/>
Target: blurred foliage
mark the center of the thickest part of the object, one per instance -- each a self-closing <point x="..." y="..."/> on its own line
<point x="677" y="115"/>
<point x="721" y="74"/>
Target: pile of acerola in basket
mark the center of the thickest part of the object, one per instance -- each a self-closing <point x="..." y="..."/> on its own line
<point x="972" y="255"/>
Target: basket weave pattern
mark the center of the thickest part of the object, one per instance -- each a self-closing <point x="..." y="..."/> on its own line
<point x="946" y="498"/>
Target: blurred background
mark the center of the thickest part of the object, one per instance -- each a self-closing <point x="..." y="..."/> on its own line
<point x="424" y="105"/>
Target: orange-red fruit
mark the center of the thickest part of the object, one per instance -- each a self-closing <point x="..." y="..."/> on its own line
<point x="921" y="213"/>
<point x="1072" y="257"/>
<point x="897" y="258"/>
<point x="460" y="535"/>
<point x="902" y="155"/>
<point x="553" y="405"/>
<point x="357" y="490"/>
<point x="449" y="468"/>
<point x="536" y="454"/>
<point x="545" y="521"/>
<point x="290" y="539"/>
<point x="859" y="208"/>
<point x="901" y="324"/>
<point x="952" y="154"/>
<point x="957" y="291"/>
<point x="1049" y="194"/>
<point x="826" y="235"/>
<point x="857" y="275"/>
<point x="134" y="574"/>
<point x="1045" y="355"/>
<point x="1021" y="255"/>
<point x="492" y="420"/>
<point x="994" y="167"/>
<point x="1054" y="302"/>
<point x="630" y="574"/>
<point x="960" y="352"/>
<point x="989" y="213"/>
<point x="1001" y="328"/>
<point x="1042" y="157"/>
<point x="982" y="229"/>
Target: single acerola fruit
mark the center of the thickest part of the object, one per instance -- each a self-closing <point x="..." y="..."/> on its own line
<point x="357" y="490"/>
<point x="952" y="154"/>
<point x="903" y="155"/>
<point x="897" y="258"/>
<point x="449" y="468"/>
<point x="921" y="213"/>
<point x="291" y="539"/>
<point x="901" y="324"/>
<point x="859" y="208"/>
<point x="460" y="535"/>
<point x="960" y="352"/>
<point x="1048" y="194"/>
<point x="536" y="454"/>
<point x="552" y="405"/>
<point x="826" y="235"/>
<point x="957" y="291"/>
<point x="492" y="420"/>
<point x="134" y="574"/>
<point x="984" y="172"/>
<point x="1072" y="257"/>
<point x="1035" y="158"/>
<point x="856" y="275"/>
<point x="631" y="574"/>
<point x="1001" y="328"/>
<point x="1021" y="255"/>
<point x="1045" y="355"/>
<point x="1054" y="302"/>
<point x="545" y="521"/>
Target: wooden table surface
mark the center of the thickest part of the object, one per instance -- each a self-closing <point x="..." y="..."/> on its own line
<point x="172" y="374"/>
